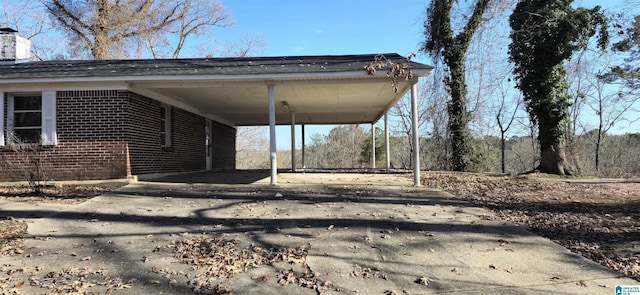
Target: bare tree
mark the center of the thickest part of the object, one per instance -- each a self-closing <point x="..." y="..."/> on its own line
<point x="432" y="121"/>
<point x="252" y="147"/>
<point x="195" y="18"/>
<point x="606" y="100"/>
<point x="33" y="23"/>
<point x="249" y="44"/>
<point x="401" y="111"/>
<point x="107" y="28"/>
<point x="339" y="149"/>
<point x="21" y="17"/>
<point x="610" y="108"/>
<point x="505" y="118"/>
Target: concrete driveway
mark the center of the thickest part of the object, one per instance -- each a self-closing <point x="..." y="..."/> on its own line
<point x="331" y="234"/>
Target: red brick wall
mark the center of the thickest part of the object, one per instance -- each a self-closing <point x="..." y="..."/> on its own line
<point x="91" y="145"/>
<point x="114" y="134"/>
<point x="187" y="152"/>
<point x="224" y="146"/>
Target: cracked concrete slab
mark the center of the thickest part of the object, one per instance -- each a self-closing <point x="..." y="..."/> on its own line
<point x="375" y="235"/>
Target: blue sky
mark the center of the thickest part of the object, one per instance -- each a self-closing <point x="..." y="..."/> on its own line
<point x="330" y="27"/>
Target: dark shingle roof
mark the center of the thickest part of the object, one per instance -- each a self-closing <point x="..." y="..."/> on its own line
<point x="195" y="66"/>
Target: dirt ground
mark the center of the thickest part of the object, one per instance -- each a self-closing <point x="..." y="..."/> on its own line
<point x="597" y="218"/>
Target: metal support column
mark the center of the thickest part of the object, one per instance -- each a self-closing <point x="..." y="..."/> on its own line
<point x="293" y="141"/>
<point x="414" y="131"/>
<point x="387" y="152"/>
<point x="303" y="164"/>
<point x="373" y="146"/>
<point x="272" y="135"/>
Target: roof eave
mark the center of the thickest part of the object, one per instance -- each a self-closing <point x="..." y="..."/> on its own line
<point x="243" y="77"/>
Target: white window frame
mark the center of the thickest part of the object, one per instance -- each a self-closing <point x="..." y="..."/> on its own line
<point x="167" y="126"/>
<point x="48" y="124"/>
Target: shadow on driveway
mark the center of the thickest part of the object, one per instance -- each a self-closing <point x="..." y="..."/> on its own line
<point x="362" y="238"/>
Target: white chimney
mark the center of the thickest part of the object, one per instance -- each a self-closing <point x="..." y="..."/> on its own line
<point x="13" y="48"/>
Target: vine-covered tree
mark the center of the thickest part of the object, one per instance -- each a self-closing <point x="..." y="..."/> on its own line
<point x="440" y="41"/>
<point x="544" y="34"/>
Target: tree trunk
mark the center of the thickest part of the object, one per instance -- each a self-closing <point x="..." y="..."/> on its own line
<point x="553" y="159"/>
<point x="458" y="117"/>
<point x="502" y="148"/>
<point x="598" y="143"/>
<point x="100" y="47"/>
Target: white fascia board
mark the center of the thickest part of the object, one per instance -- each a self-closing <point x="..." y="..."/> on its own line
<point x="269" y="78"/>
<point x="21" y="86"/>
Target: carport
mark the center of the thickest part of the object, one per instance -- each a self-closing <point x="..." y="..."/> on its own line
<point x="247" y="91"/>
<point x="291" y="90"/>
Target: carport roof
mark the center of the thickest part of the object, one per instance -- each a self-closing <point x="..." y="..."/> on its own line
<point x="328" y="89"/>
<point x="196" y="66"/>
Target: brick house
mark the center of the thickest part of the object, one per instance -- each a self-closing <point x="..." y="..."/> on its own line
<point x="103" y="134"/>
<point x="119" y="118"/>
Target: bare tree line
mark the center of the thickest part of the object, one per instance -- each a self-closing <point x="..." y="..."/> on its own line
<point x="64" y="29"/>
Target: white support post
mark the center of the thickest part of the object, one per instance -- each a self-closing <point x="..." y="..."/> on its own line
<point x="414" y="131"/>
<point x="272" y="135"/>
<point x="387" y="152"/>
<point x="293" y="141"/>
<point x="373" y="146"/>
<point x="303" y="164"/>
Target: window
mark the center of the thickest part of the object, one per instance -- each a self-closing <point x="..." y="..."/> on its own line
<point x="27" y="118"/>
<point x="31" y="118"/>
<point x="165" y="125"/>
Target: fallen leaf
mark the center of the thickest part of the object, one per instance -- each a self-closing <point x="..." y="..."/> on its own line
<point x="581" y="283"/>
<point x="264" y="278"/>
<point x="509" y="270"/>
<point x="423" y="280"/>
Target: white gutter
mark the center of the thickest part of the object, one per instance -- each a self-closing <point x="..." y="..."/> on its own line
<point x="240" y="78"/>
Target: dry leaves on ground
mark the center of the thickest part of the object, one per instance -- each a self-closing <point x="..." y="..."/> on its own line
<point x="221" y="259"/>
<point x="599" y="220"/>
<point x="11" y="233"/>
<point x="66" y="194"/>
